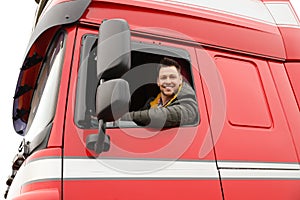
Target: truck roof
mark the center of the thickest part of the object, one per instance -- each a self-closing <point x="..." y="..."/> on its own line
<point x="255" y="10"/>
<point x="248" y="26"/>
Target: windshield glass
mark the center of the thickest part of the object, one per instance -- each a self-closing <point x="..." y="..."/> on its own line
<point x="44" y="99"/>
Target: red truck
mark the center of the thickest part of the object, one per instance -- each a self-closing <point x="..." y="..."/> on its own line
<point x="89" y="62"/>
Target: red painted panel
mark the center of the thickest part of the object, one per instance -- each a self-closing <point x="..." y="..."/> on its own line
<point x="291" y="39"/>
<point x="247" y="105"/>
<point x="142" y="189"/>
<point x="56" y="137"/>
<point x="285" y="81"/>
<point x="241" y="143"/>
<point x="201" y="25"/>
<point x="293" y="71"/>
<point x="41" y="190"/>
<point x="261" y="189"/>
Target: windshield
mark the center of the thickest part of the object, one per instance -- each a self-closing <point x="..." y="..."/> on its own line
<point x="43" y="104"/>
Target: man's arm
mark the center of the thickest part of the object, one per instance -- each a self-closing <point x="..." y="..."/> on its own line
<point x="183" y="112"/>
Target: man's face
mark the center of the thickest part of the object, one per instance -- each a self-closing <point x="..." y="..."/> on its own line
<point x="169" y="80"/>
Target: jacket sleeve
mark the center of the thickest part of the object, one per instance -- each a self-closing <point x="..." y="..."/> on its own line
<point x="184" y="112"/>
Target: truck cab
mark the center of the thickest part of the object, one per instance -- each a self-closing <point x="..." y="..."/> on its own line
<point x="89" y="62"/>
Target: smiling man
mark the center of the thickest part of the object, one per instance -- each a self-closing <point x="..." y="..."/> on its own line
<point x="169" y="81"/>
<point x="175" y="105"/>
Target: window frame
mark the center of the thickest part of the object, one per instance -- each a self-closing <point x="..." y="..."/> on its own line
<point x="136" y="46"/>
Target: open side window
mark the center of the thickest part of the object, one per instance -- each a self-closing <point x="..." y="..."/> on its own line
<point x="142" y="77"/>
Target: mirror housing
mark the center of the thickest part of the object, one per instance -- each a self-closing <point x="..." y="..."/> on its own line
<point x="112" y="100"/>
<point x="114" y="50"/>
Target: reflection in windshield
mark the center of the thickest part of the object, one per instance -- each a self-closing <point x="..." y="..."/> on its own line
<point x="43" y="104"/>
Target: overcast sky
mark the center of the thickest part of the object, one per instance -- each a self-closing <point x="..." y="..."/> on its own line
<point x="16" y="25"/>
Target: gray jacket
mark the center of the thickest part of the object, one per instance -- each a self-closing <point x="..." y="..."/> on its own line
<point x="183" y="110"/>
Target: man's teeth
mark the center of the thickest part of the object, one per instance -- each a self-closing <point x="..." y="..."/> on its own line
<point x="168" y="86"/>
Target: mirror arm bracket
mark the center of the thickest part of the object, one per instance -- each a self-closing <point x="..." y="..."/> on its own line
<point x="99" y="142"/>
<point x="103" y="140"/>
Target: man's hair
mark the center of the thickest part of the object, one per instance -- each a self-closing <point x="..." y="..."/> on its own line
<point x="167" y="62"/>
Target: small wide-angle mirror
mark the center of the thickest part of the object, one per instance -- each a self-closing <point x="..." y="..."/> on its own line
<point x="112" y="100"/>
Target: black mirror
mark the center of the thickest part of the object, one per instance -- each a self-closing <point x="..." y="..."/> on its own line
<point x="112" y="100"/>
<point x="113" y="52"/>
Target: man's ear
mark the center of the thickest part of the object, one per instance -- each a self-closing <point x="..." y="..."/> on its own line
<point x="157" y="81"/>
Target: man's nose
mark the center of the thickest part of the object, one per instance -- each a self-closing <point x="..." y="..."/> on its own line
<point x="168" y="80"/>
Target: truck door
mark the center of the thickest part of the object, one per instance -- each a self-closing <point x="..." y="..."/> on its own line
<point x="142" y="163"/>
<point x="252" y="140"/>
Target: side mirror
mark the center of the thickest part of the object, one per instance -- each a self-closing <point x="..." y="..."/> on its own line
<point x="114" y="50"/>
<point x="112" y="100"/>
<point x="113" y="96"/>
